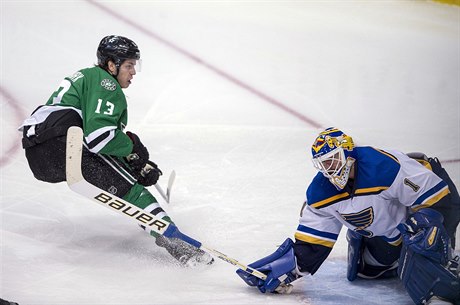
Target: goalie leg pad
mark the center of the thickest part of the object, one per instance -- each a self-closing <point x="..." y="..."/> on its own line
<point x="370" y="258"/>
<point x="355" y="247"/>
<point x="424" y="278"/>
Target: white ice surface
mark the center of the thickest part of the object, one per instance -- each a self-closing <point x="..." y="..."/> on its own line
<point x="386" y="72"/>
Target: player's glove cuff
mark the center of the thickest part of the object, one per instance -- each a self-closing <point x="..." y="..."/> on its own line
<point x="149" y="174"/>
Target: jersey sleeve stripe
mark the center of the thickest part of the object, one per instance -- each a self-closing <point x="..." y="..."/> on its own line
<point x="314" y="240"/>
<point x="371" y="190"/>
<point x="99" y="143"/>
<point x="99" y="138"/>
<point x="329" y="201"/>
<point x="431" y="192"/>
<point x="328" y="235"/>
<point x="432" y="196"/>
<point x="310" y="231"/>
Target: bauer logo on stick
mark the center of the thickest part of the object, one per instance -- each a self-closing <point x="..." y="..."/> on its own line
<point x="118" y="205"/>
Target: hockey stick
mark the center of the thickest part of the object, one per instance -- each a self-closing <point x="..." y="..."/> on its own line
<point x="167" y="196"/>
<point x="78" y="184"/>
<point x="171" y="179"/>
<point x="162" y="193"/>
<point x="147" y="168"/>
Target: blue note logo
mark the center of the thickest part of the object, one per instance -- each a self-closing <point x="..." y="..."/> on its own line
<point x="361" y="220"/>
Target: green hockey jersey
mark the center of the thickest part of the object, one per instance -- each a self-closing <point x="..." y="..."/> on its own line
<point x="99" y="100"/>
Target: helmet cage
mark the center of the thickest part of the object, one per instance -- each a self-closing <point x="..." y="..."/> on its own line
<point x="332" y="156"/>
<point x="331" y="163"/>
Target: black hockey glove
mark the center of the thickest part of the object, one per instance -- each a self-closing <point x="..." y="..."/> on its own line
<point x="139" y="156"/>
<point x="149" y="174"/>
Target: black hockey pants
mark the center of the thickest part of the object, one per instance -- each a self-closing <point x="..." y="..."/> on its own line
<point x="46" y="154"/>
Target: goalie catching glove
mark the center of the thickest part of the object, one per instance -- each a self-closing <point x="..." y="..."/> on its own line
<point x="425" y="234"/>
<point x="280" y="268"/>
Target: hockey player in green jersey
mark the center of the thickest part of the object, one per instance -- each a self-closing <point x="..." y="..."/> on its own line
<point x="113" y="160"/>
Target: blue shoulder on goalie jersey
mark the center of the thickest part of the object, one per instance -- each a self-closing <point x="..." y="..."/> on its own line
<point x="375" y="171"/>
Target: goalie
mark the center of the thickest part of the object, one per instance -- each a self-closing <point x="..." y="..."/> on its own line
<point x="401" y="213"/>
<point x="113" y="160"/>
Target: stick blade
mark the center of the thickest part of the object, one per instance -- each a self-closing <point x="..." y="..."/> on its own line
<point x="171" y="179"/>
<point x="74" y="151"/>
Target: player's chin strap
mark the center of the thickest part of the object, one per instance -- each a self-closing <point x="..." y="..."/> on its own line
<point x="77" y="183"/>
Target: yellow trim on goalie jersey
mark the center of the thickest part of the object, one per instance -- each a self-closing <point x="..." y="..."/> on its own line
<point x="329" y="200"/>
<point x="371" y="190"/>
<point x="388" y="155"/>
<point x="424" y="163"/>
<point x="314" y="240"/>
<point x="432" y="200"/>
<point x="396" y="242"/>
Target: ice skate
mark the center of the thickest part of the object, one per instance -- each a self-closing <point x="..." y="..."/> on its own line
<point x="186" y="254"/>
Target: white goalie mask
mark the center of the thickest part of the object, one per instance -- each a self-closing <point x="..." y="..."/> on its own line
<point x="331" y="156"/>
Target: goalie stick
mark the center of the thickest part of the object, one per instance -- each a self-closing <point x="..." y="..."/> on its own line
<point x="78" y="184"/>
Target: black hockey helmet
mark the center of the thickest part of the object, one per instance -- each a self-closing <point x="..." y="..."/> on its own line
<point x="117" y="49"/>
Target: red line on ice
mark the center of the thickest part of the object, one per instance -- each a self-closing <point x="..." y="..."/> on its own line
<point x="450" y="161"/>
<point x="215" y="69"/>
<point x="19" y="115"/>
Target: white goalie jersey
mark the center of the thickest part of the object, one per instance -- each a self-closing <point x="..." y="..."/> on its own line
<point x="387" y="186"/>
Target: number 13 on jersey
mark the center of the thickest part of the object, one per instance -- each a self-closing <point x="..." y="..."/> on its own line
<point x="108" y="106"/>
